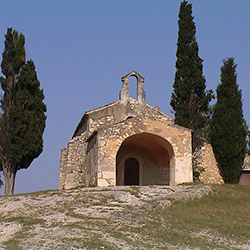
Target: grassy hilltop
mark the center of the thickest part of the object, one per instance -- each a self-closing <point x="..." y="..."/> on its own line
<point x="155" y="217"/>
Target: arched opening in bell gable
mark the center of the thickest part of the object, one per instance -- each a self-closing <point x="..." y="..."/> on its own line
<point x="145" y="159"/>
<point x="133" y="87"/>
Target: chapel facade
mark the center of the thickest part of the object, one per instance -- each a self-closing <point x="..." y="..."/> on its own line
<point x="129" y="142"/>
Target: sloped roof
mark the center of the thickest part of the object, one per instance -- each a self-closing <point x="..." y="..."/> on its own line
<point x="101" y="108"/>
<point x="118" y="102"/>
<point x="93" y="111"/>
<point x="131" y="100"/>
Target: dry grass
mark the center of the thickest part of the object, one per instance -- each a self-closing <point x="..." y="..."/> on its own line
<point x="128" y="218"/>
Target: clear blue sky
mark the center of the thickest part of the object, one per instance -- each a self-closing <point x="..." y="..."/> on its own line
<point x="82" y="49"/>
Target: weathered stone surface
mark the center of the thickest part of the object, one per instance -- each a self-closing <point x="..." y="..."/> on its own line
<point x="246" y="164"/>
<point x="103" y="182"/>
<point x="108" y="175"/>
<point x="207" y="161"/>
<point x="245" y="173"/>
<point x="107" y="137"/>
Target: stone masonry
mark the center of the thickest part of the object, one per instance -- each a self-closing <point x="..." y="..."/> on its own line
<point x="128" y="142"/>
<point x="206" y="159"/>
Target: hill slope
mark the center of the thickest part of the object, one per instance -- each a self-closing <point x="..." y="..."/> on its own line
<point x="155" y="217"/>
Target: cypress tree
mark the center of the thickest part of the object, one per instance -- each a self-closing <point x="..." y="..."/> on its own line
<point x="190" y="100"/>
<point x="228" y="127"/>
<point x="22" y="120"/>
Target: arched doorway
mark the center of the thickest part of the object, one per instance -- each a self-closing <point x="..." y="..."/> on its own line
<point x="152" y="158"/>
<point x="131" y="172"/>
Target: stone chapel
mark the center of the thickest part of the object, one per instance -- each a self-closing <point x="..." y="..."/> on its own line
<point x="128" y="142"/>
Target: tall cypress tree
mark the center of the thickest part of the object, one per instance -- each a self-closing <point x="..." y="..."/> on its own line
<point x="228" y="127"/>
<point x="189" y="98"/>
<point x="22" y="120"/>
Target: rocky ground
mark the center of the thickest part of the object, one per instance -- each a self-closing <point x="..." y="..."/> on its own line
<point x="90" y="218"/>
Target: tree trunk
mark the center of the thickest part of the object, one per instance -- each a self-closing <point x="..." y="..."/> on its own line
<point x="9" y="174"/>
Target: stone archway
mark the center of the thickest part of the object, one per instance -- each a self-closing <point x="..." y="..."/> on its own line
<point x="155" y="159"/>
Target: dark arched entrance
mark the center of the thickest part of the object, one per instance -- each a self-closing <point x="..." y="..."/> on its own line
<point x="131" y="172"/>
<point x="145" y="159"/>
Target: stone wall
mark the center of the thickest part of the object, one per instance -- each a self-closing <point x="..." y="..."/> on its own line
<point x="246" y="164"/>
<point x="163" y="149"/>
<point x="90" y="157"/>
<point x="90" y="162"/>
<point x="113" y="137"/>
<point x="78" y="165"/>
<point x="206" y="159"/>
